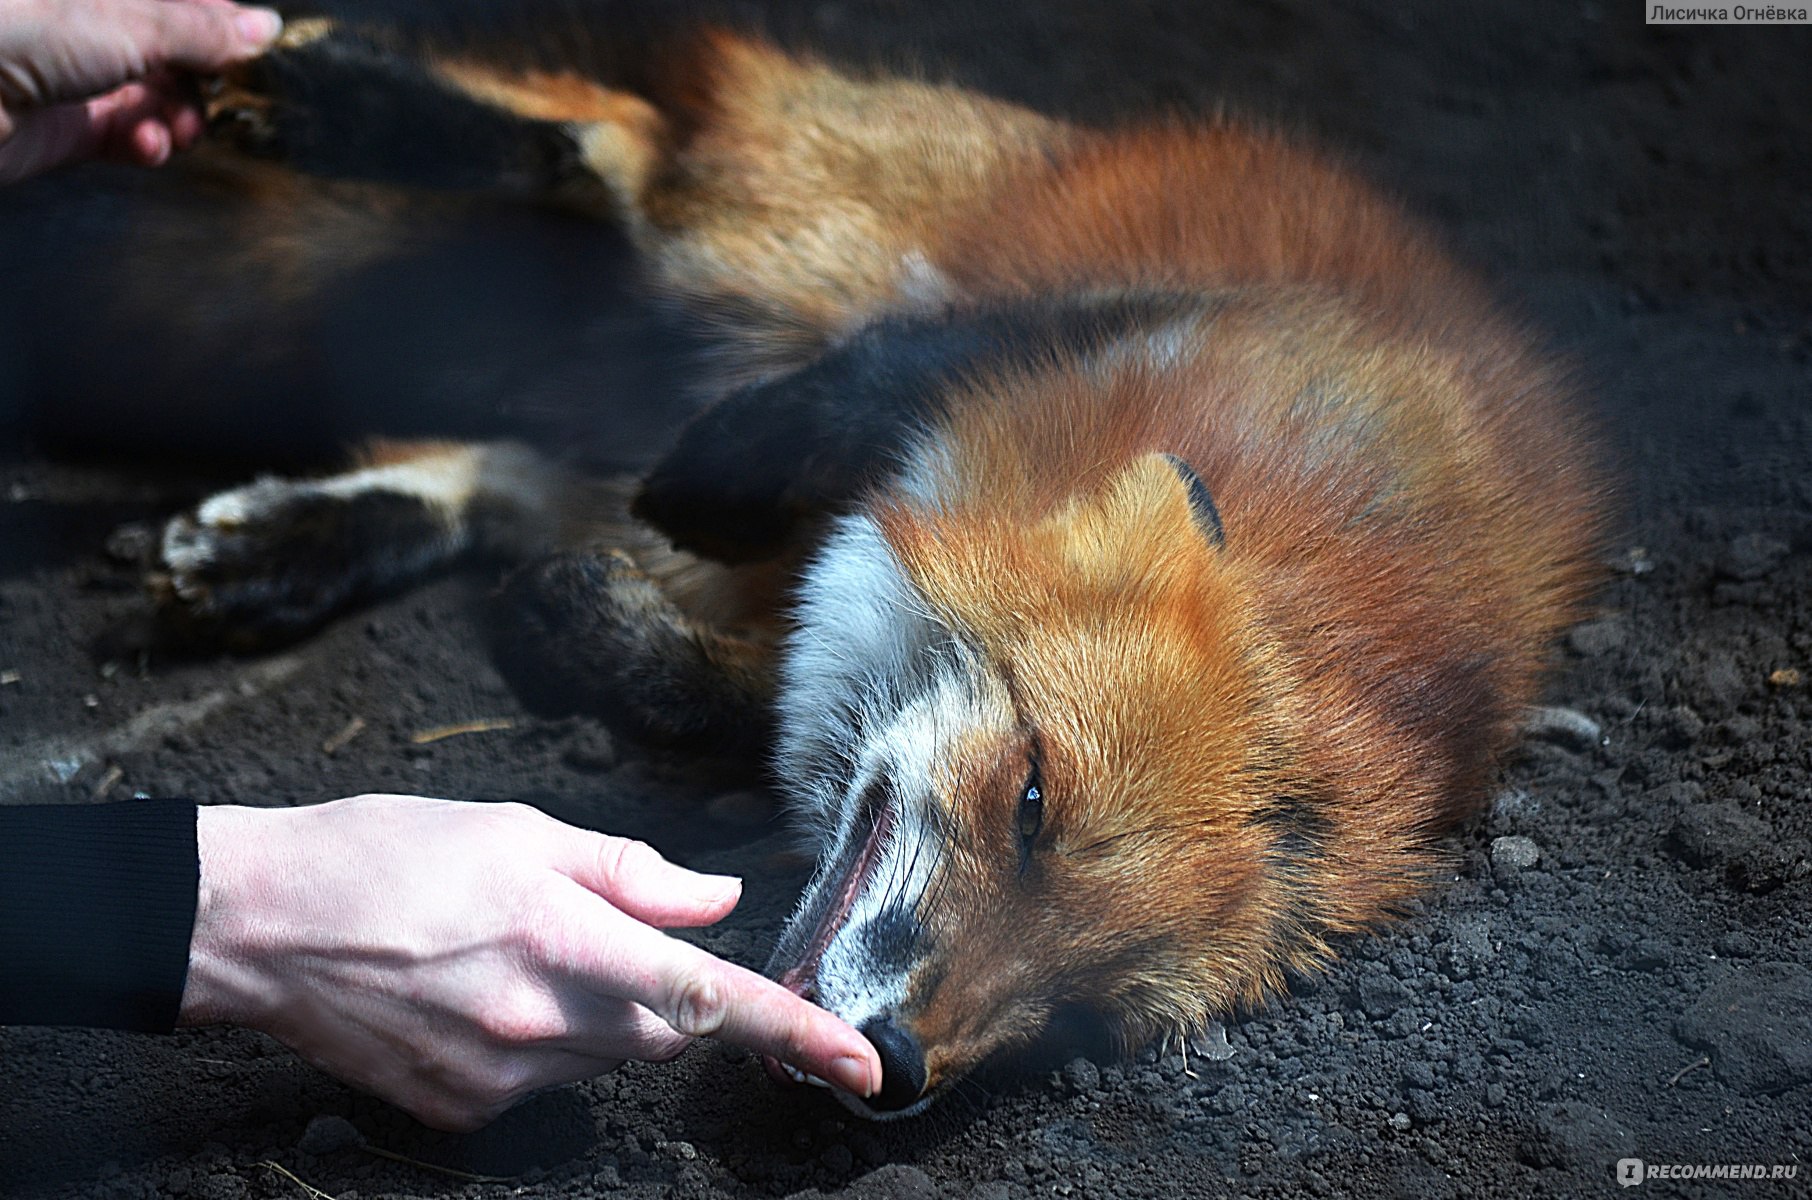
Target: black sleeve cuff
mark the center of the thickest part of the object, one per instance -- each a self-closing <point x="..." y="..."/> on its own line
<point x="97" y="908"/>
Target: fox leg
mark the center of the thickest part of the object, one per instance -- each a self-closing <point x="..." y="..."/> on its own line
<point x="782" y="201"/>
<point x="334" y="101"/>
<point x="263" y="564"/>
<point x="788" y="196"/>
<point x="616" y="621"/>
<point x="599" y="631"/>
<point x="785" y="203"/>
<point x="675" y="646"/>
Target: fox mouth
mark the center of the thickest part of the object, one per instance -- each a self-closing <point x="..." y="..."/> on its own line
<point x="843" y="884"/>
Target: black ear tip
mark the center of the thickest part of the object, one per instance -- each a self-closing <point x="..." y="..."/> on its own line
<point x="1201" y="501"/>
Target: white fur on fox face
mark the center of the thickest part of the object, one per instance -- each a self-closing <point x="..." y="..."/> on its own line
<point x="876" y="691"/>
<point x="863" y="974"/>
<point x="864" y="637"/>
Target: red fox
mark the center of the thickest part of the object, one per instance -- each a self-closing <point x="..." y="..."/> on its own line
<point x="1139" y="544"/>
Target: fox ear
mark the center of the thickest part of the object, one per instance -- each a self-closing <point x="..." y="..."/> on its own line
<point x="1201" y="502"/>
<point x="1148" y="503"/>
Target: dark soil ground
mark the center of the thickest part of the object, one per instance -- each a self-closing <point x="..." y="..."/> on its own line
<point x="1618" y="966"/>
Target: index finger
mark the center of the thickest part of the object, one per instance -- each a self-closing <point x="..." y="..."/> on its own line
<point x="701" y="995"/>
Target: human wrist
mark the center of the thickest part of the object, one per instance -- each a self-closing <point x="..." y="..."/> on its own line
<point x="226" y="983"/>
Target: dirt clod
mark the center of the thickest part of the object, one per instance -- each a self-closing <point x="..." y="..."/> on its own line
<point x="1757" y="1024"/>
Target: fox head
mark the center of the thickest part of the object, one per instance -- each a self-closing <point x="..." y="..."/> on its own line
<point x="1048" y="763"/>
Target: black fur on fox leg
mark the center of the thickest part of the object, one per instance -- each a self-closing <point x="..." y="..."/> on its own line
<point x="285" y="564"/>
<point x="349" y="106"/>
<point x="749" y="474"/>
<point x="587" y="630"/>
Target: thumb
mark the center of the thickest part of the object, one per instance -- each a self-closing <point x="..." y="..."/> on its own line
<point x="635" y="878"/>
<point x="118" y="41"/>
<point x="205" y="37"/>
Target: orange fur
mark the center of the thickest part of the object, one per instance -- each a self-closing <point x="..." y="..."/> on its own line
<point x="1411" y="514"/>
<point x="1248" y="748"/>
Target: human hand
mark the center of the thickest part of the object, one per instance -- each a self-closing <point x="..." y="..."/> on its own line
<point x="86" y="78"/>
<point x="455" y="957"/>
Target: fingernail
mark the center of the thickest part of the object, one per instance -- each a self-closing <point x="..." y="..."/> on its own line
<point x="258" y="27"/>
<point x="154" y="144"/>
<point x="722" y="887"/>
<point x="852" y="1075"/>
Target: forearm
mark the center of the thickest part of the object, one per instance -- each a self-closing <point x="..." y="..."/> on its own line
<point x="97" y="903"/>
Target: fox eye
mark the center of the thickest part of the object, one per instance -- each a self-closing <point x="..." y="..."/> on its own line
<point x="1031" y="818"/>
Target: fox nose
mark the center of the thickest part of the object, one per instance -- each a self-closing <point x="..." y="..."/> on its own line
<point x="902" y="1065"/>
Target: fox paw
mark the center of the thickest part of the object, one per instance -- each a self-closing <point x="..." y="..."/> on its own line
<point x="242" y="106"/>
<point x="590" y="630"/>
<point x="239" y="115"/>
<point x="264" y="564"/>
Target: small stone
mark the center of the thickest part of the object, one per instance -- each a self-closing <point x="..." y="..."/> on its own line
<point x="1424" y="1106"/>
<point x="1757" y="1024"/>
<point x="1633" y="561"/>
<point x="1400" y="1122"/>
<point x="329" y="1135"/>
<point x="133" y="544"/>
<point x="1595" y="638"/>
<point x="1785" y="677"/>
<point x="1211" y="1043"/>
<point x="1510" y="855"/>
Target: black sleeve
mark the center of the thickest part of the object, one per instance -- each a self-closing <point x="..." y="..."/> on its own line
<point x="97" y="906"/>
